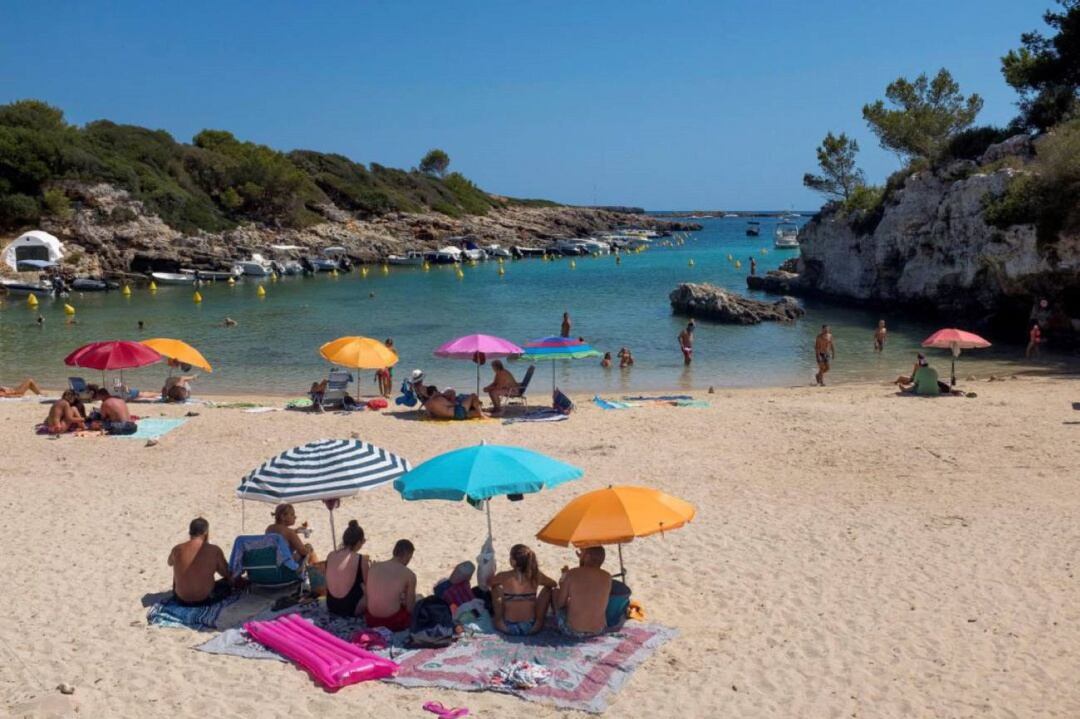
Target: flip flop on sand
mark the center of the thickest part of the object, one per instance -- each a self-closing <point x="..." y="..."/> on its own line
<point x="442" y="712"/>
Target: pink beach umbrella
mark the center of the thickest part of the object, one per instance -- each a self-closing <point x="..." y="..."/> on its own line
<point x="478" y="348"/>
<point x="955" y="340"/>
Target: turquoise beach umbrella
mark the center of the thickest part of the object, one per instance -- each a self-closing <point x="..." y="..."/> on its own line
<point x="484" y="471"/>
<point x="557" y="348"/>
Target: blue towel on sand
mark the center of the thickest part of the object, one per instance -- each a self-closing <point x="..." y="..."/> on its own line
<point x="171" y="614"/>
<point x="153" y="428"/>
<point x="658" y="398"/>
<point x="611" y="403"/>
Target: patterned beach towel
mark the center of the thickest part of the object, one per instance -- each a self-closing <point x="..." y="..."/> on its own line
<point x="546" y="414"/>
<point x="171" y="614"/>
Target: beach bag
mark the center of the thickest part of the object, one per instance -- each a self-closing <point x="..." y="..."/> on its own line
<point x="432" y="624"/>
<point x="116" y="428"/>
<point x="377" y="403"/>
<point x="485" y="563"/>
<point x="561" y="402"/>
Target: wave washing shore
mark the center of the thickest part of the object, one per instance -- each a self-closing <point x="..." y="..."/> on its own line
<point x="855" y="552"/>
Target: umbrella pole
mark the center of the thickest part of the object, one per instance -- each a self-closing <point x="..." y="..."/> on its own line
<point x="622" y="569"/>
<point x="487" y="505"/>
<point x="954" y="371"/>
<point x="333" y="532"/>
<point x="477" y="379"/>
<point x="553" y="376"/>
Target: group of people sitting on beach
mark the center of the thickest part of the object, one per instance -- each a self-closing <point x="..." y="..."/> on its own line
<point x="522" y="600"/>
<point x="452" y="405"/>
<point x="69" y="414"/>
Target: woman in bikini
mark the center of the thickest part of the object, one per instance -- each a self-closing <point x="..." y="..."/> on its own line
<point x="521" y="596"/>
<point x="346" y="574"/>
<point x="284" y="519"/>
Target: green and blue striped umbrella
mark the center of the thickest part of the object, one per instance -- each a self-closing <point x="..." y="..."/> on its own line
<point x="557" y="348"/>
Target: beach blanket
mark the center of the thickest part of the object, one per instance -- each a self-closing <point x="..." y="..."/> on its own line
<point x="690" y="403"/>
<point x="581" y="675"/>
<point x="236" y="405"/>
<point x="303" y="403"/>
<point x="171" y="614"/>
<point x="658" y="398"/>
<point x="262" y="410"/>
<point x="612" y="403"/>
<point x="153" y="428"/>
<point x="545" y="414"/>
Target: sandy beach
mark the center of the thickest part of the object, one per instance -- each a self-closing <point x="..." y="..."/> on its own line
<point x="856" y="553"/>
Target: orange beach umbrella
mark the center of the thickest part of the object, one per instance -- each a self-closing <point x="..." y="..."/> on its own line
<point x="616" y="515"/>
<point x="178" y="350"/>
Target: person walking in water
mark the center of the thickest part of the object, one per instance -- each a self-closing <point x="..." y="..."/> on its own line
<point x="825" y="352"/>
<point x="1034" y="340"/>
<point x="565" y="331"/>
<point x="686" y="343"/>
<point x="879" y="336"/>
<point x="753" y="266"/>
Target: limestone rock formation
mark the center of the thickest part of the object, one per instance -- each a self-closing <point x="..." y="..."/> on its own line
<point x="707" y="301"/>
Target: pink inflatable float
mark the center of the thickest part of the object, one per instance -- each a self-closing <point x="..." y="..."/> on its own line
<point x="332" y="662"/>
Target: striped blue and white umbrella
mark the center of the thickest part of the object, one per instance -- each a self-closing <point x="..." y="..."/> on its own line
<point x="326" y="469"/>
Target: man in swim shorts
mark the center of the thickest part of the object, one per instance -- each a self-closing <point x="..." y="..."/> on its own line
<point x="686" y="343"/>
<point x="391" y="590"/>
<point x="195" y="563"/>
<point x="825" y="351"/>
<point x="582" y="596"/>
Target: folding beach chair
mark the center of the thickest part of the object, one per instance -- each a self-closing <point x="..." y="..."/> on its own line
<point x="518" y="393"/>
<point x="78" y="386"/>
<point x="337" y="383"/>
<point x="266" y="560"/>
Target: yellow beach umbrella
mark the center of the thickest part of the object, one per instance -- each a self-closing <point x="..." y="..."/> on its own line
<point x="616" y="515"/>
<point x="178" y="350"/>
<point x="359" y="353"/>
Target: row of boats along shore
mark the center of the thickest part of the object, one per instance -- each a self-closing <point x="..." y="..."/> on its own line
<point x="42" y="253"/>
<point x="39" y="252"/>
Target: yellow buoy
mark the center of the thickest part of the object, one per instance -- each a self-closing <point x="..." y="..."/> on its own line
<point x="69" y="310"/>
<point x="333" y="272"/>
<point x="126" y="292"/>
<point x="501" y="272"/>
<point x="386" y="269"/>
<point x="197" y="297"/>
<point x="729" y="257"/>
<point x="460" y="274"/>
<point x="232" y="282"/>
<point x="426" y="267"/>
<point x="363" y="272"/>
<point x="153" y="286"/>
<point x="691" y="263"/>
<point x="764" y="251"/>
<point x="573" y="264"/>
<point x="738" y="264"/>
<point x="261" y="292"/>
<point x="31" y="299"/>
<point x="273" y="277"/>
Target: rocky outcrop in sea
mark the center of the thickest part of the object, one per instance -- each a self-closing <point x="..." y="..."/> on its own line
<point x="109" y="232"/>
<point x="705" y="301"/>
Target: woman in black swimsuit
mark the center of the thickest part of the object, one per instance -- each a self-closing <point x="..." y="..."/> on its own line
<point x="346" y="574"/>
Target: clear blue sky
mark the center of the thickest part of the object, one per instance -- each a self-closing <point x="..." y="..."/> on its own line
<point x="660" y="104"/>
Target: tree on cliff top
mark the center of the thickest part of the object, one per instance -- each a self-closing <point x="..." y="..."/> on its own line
<point x="1046" y="70"/>
<point x="435" y="162"/>
<point x="927" y="114"/>
<point x="839" y="176"/>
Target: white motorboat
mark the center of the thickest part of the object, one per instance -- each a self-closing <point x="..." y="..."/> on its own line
<point x="595" y="247"/>
<point x="444" y="256"/>
<point x="627" y="241"/>
<point x="289" y="267"/>
<point x="522" y="251"/>
<point x="753" y="228"/>
<point x="787" y="236"/>
<point x="570" y="247"/>
<point x="729" y="215"/>
<point x="412" y="258"/>
<point x="214" y="275"/>
<point x="18" y="287"/>
<point x="172" y="278"/>
<point x="497" y="251"/>
<point x="257" y="266"/>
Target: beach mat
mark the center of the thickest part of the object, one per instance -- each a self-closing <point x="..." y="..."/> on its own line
<point x="230" y="612"/>
<point x="690" y="403"/>
<point x="546" y="414"/>
<point x="611" y="404"/>
<point x="153" y="428"/>
<point x="658" y="398"/>
<point x="585" y="675"/>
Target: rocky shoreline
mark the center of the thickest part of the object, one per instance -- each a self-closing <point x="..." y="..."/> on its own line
<point x="109" y="233"/>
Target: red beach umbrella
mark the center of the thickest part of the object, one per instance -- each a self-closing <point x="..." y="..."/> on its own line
<point x="119" y="354"/>
<point x="955" y="340"/>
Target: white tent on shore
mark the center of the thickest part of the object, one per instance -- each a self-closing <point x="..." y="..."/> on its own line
<point x="30" y="246"/>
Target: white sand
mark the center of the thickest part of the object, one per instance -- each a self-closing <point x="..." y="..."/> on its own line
<point x="855" y="553"/>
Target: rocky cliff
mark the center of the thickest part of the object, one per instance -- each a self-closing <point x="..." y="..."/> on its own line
<point x="109" y="232"/>
<point x="932" y="249"/>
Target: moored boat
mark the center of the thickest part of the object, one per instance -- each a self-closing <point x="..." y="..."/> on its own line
<point x="444" y="256"/>
<point x="787" y="236"/>
<point x="410" y="258"/>
<point x="172" y="278"/>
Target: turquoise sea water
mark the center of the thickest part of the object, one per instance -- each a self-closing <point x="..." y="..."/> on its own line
<point x="274" y="348"/>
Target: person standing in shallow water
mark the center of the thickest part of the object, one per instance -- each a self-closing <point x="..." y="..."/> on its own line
<point x="686" y="343"/>
<point x="1034" y="340"/>
<point x="825" y="352"/>
<point x="879" y="336"/>
<point x="565" y="330"/>
<point x="753" y="267"/>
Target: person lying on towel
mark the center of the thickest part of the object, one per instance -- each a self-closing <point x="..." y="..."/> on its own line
<point x="195" y="563"/>
<point x="391" y="590"/>
<point x="451" y="405"/>
<point x="581" y="598"/>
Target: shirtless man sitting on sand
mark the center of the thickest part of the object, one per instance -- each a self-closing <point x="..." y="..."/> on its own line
<point x="64" y="414"/>
<point x="20" y="389"/>
<point x="115" y="417"/>
<point x="391" y="590"/>
<point x="195" y="563"/>
<point x="582" y="596"/>
<point x="501" y="386"/>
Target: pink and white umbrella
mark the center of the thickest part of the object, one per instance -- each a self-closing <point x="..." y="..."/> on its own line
<point x="478" y="348"/>
<point x="955" y="340"/>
